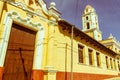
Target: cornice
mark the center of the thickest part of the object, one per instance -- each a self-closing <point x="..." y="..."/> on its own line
<point x="43" y="5"/>
<point x="15" y="16"/>
<point x="111" y="43"/>
<point x="31" y="12"/>
<point x="67" y="26"/>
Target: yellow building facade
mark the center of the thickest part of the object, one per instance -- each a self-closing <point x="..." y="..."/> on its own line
<point x="36" y="44"/>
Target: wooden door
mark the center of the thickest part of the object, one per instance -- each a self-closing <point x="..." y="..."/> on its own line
<point x="20" y="52"/>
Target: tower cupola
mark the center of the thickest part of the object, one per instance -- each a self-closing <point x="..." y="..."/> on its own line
<point x="90" y="23"/>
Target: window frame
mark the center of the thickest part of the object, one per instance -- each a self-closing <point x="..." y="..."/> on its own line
<point x="80" y="51"/>
<point x="98" y="60"/>
<point x="88" y="25"/>
<point x="87" y="18"/>
<point x="90" y="54"/>
<point x="111" y="63"/>
<point x="107" y="62"/>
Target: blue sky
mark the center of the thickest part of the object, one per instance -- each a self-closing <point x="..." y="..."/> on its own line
<point x="108" y="13"/>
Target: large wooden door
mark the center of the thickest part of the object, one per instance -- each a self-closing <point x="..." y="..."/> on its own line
<point x="20" y="52"/>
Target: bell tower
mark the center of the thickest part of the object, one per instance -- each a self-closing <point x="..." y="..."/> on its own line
<point x="90" y="23"/>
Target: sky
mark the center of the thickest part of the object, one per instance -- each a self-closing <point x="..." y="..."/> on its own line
<point x="108" y="14"/>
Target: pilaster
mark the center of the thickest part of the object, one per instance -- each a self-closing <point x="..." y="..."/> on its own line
<point x="4" y="39"/>
<point x="38" y="49"/>
<point x="86" y="57"/>
<point x="1" y="8"/>
<point x="50" y="73"/>
<point x="103" y="61"/>
<point x="50" y="44"/>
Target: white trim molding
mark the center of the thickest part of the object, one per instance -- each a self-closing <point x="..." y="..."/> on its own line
<point x="14" y="16"/>
<point x="24" y="7"/>
<point x="44" y="8"/>
<point x="32" y="13"/>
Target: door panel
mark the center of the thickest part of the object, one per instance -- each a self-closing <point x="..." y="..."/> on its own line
<point x="20" y="52"/>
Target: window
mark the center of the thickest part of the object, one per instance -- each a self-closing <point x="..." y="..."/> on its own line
<point x="88" y="25"/>
<point x="118" y="66"/>
<point x="99" y="37"/>
<point x="111" y="63"/>
<point x="86" y="17"/>
<point x="90" y="57"/>
<point x="80" y="53"/>
<point x="98" y="59"/>
<point x="107" y="65"/>
<point x="115" y="65"/>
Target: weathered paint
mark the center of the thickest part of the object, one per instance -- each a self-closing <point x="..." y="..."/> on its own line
<point x="37" y="75"/>
<point x="83" y="76"/>
<point x="1" y="72"/>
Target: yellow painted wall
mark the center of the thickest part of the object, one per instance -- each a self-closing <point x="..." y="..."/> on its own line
<point x="23" y="14"/>
<point x="62" y="55"/>
<point x="57" y="46"/>
<point x="90" y="34"/>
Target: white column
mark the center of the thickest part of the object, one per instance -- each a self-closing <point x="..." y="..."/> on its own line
<point x="38" y="49"/>
<point x="4" y="39"/>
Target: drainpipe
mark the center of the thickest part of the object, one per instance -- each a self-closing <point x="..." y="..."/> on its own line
<point x="71" y="73"/>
